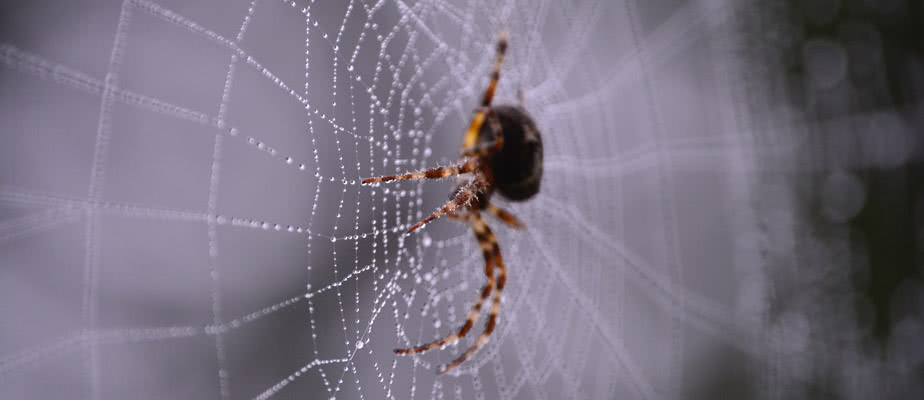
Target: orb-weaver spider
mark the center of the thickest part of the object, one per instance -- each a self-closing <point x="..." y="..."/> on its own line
<point x="503" y="155"/>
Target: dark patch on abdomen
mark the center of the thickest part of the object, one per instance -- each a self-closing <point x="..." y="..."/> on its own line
<point x="518" y="166"/>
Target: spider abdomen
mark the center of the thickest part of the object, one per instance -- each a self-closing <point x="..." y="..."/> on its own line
<point x="517" y="166"/>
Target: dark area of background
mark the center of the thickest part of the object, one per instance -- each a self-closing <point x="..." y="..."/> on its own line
<point x="891" y="219"/>
<point x="884" y="43"/>
<point x="892" y="80"/>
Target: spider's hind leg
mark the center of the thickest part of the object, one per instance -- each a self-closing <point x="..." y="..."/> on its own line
<point x="505" y="216"/>
<point x="476" y="309"/>
<point x="471" y="137"/>
<point x="492" y="255"/>
<point x="487" y="148"/>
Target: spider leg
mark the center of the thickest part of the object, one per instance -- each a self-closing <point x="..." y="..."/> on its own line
<point x="488" y="243"/>
<point x="471" y="137"/>
<point x="457" y="216"/>
<point x="435" y="173"/>
<point x="464" y="197"/>
<point x="486" y="149"/>
<point x="476" y="309"/>
<point x="505" y="216"/>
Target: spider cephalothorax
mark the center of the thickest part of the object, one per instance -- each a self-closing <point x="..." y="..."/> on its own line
<point x="502" y="152"/>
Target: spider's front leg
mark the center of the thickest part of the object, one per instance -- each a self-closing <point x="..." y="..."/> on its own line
<point x="434" y="173"/>
<point x="464" y="197"/>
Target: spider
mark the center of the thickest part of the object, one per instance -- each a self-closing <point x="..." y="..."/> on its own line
<point x="502" y="151"/>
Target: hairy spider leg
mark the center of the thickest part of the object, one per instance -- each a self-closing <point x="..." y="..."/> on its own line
<point x="505" y="216"/>
<point x="435" y="173"/>
<point x="471" y="137"/>
<point x="465" y="196"/>
<point x="459" y="217"/>
<point x="485" y="292"/>
<point x="492" y="147"/>
<point x="489" y="246"/>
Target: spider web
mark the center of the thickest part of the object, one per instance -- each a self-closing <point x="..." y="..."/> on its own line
<point x="182" y="215"/>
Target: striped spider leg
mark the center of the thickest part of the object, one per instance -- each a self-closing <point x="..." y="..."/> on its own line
<point x="474" y="130"/>
<point x="492" y="259"/>
<point x="474" y="151"/>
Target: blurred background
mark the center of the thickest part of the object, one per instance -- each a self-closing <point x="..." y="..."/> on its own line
<point x="732" y="202"/>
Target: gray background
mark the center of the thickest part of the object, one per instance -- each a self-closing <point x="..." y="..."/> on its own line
<point x="729" y="206"/>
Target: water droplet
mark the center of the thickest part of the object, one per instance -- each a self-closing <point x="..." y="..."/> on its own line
<point x="427" y="241"/>
<point x="359" y="345"/>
